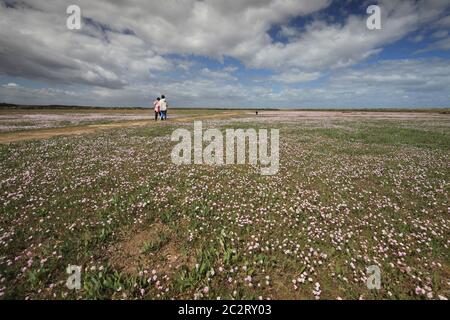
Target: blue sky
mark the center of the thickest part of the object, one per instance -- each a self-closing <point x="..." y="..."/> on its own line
<point x="218" y="53"/>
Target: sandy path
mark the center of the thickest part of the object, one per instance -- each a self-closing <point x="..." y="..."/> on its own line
<point x="349" y="115"/>
<point x="37" y="134"/>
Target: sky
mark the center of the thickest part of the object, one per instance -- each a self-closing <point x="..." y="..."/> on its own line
<point x="223" y="53"/>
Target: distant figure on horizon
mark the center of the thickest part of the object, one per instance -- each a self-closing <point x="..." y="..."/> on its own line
<point x="163" y="108"/>
<point x="156" y="108"/>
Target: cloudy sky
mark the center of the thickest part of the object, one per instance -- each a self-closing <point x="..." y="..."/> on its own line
<point x="225" y="53"/>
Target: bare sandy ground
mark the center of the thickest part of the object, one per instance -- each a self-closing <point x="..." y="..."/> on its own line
<point x="348" y="115"/>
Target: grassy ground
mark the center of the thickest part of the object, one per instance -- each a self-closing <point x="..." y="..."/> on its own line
<point x="349" y="194"/>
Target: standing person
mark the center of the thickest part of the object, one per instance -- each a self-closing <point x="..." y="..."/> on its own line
<point x="156" y="107"/>
<point x="163" y="107"/>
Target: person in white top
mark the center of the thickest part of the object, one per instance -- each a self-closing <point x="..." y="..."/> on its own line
<point x="163" y="107"/>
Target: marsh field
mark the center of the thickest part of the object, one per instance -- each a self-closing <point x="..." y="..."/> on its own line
<point x="97" y="189"/>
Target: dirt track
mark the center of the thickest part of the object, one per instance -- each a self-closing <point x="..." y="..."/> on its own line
<point x="10" y="137"/>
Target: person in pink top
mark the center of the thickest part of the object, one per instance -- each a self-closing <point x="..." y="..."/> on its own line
<point x="156" y="108"/>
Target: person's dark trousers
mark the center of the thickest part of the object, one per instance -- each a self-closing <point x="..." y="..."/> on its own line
<point x="156" y="115"/>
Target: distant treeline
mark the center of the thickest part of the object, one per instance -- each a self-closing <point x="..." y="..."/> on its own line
<point x="443" y="110"/>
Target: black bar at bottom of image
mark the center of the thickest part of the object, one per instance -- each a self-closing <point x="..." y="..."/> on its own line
<point x="217" y="309"/>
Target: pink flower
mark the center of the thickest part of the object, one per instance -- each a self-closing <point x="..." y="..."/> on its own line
<point x="419" y="291"/>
